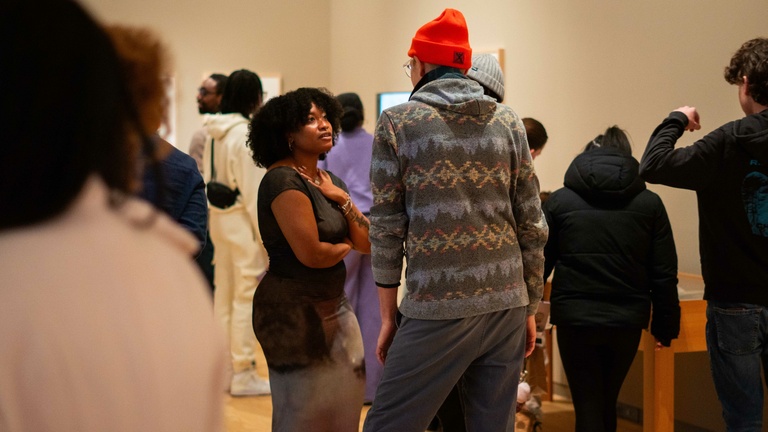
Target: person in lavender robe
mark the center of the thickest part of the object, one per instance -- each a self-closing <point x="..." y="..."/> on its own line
<point x="350" y="159"/>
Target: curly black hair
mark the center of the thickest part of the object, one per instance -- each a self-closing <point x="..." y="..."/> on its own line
<point x="751" y="61"/>
<point x="269" y="128"/>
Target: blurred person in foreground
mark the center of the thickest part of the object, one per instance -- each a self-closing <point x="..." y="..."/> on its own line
<point x="105" y="323"/>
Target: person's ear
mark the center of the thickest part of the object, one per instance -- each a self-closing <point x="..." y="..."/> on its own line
<point x="419" y="66"/>
<point x="745" y="83"/>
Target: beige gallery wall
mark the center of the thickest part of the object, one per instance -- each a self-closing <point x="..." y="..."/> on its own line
<point x="286" y="39"/>
<point x="577" y="66"/>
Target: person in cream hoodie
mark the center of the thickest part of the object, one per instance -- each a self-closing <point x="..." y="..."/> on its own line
<point x="239" y="254"/>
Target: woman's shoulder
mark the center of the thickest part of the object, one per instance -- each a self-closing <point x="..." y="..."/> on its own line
<point x="558" y="197"/>
<point x="281" y="172"/>
<point x="281" y="178"/>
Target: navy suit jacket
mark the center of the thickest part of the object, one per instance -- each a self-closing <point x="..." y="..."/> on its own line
<point x="183" y="191"/>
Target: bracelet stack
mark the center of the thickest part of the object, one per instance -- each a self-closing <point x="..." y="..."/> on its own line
<point x="347" y="206"/>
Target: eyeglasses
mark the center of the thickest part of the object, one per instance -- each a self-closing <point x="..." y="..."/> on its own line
<point x="407" y="68"/>
<point x="202" y="91"/>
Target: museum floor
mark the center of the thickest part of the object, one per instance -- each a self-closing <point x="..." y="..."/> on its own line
<point x="254" y="414"/>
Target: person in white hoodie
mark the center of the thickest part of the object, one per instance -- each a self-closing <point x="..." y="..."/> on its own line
<point x="232" y="185"/>
<point x="105" y="322"/>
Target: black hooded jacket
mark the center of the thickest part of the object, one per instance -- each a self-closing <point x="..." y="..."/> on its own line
<point x="611" y="245"/>
<point x="728" y="169"/>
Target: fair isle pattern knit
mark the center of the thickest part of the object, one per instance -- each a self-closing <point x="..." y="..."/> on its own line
<point x="455" y="193"/>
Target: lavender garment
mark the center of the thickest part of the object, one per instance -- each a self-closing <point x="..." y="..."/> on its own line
<point x="350" y="159"/>
<point x="363" y="296"/>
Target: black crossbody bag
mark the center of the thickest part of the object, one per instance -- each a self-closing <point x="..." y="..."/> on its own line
<point x="219" y="194"/>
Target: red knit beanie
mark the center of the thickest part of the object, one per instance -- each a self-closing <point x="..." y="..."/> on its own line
<point x="443" y="41"/>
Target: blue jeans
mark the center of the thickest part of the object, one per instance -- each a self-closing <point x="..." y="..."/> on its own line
<point x="738" y="346"/>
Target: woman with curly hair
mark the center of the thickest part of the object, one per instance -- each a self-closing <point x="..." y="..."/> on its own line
<point x="309" y="333"/>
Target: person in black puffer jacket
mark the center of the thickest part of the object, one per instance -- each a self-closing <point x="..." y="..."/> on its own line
<point x="611" y="243"/>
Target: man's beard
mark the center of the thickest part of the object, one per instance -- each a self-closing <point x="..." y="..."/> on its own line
<point x="206" y="110"/>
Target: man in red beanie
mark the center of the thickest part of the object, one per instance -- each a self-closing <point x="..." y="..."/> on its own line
<point x="455" y="193"/>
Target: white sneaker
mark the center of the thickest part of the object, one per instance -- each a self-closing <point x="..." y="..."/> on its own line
<point x="247" y="383"/>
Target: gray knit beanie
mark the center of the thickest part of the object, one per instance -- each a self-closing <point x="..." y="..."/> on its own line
<point x="487" y="71"/>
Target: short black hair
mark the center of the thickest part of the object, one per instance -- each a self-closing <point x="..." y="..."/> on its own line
<point x="751" y="61"/>
<point x="66" y="112"/>
<point x="221" y="82"/>
<point x="242" y="93"/>
<point x="269" y="128"/>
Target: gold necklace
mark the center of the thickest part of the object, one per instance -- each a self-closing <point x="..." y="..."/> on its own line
<point x="315" y="179"/>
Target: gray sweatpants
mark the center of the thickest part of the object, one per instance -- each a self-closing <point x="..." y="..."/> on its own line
<point x="484" y="354"/>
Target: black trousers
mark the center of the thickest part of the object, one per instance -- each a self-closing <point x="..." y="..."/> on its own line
<point x="596" y="361"/>
<point x="451" y="413"/>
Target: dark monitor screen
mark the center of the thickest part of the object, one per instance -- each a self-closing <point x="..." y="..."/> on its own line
<point x="388" y="99"/>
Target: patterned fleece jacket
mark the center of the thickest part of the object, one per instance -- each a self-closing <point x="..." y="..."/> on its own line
<point x="455" y="193"/>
